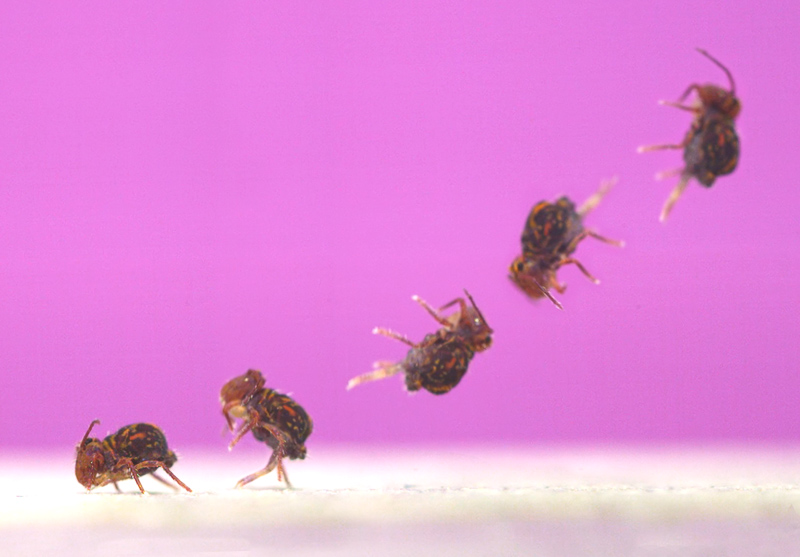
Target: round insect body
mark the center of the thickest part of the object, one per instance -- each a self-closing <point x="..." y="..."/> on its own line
<point x="438" y="364"/>
<point x="140" y="443"/>
<point x="550" y="231"/>
<point x="278" y="409"/>
<point x="712" y="148"/>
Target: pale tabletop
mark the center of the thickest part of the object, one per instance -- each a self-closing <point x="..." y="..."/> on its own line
<point x="438" y="501"/>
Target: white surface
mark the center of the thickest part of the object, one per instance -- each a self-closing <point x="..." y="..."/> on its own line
<point x="455" y="501"/>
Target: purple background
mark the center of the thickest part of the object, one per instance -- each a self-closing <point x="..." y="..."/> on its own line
<point x="190" y="189"/>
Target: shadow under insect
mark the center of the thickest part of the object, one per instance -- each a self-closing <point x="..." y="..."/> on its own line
<point x="440" y="360"/>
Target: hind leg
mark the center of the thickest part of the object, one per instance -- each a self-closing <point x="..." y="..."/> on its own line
<point x="246" y="427"/>
<point x="160" y="464"/>
<point x="382" y="370"/>
<point x="596" y="236"/>
<point x="595" y="199"/>
<point x="155" y="476"/>
<point x="669" y="173"/>
<point x="586" y="233"/>
<point x="673" y="197"/>
<point x="568" y="260"/>
<point x="282" y="473"/>
<point x="680" y="106"/>
<point x="648" y="148"/>
<point x="275" y="460"/>
<point x="392" y="334"/>
<point x="435" y="314"/>
<point x="132" y="470"/>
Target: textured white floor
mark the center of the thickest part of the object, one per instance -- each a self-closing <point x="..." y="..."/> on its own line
<point x="458" y="501"/>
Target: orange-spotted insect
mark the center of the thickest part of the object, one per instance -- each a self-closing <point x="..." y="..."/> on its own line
<point x="440" y="361"/>
<point x="551" y="235"/>
<point x="711" y="146"/>
<point x="131" y="452"/>
<point x="274" y="419"/>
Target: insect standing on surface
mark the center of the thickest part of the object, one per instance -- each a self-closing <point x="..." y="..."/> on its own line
<point x="552" y="233"/>
<point x="274" y="418"/>
<point x="131" y="452"/>
<point x="438" y="363"/>
<point x="711" y="146"/>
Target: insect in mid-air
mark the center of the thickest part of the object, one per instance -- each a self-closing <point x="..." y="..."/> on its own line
<point x="551" y="235"/>
<point x="131" y="452"/>
<point x="274" y="418"/>
<point x="711" y="146"/>
<point x="440" y="360"/>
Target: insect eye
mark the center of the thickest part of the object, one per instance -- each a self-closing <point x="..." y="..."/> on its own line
<point x="519" y="267"/>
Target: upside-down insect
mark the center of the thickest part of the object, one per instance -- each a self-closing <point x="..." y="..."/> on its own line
<point x="133" y="451"/>
<point x="440" y="360"/>
<point x="274" y="418"/>
<point x="551" y="235"/>
<point x="711" y="146"/>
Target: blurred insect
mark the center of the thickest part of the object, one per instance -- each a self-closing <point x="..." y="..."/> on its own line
<point x="131" y="452"/>
<point x="274" y="418"/>
<point x="711" y="146"/>
<point x="438" y="363"/>
<point x="552" y="233"/>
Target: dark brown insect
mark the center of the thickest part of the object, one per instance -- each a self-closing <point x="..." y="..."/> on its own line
<point x="274" y="418"/>
<point x="551" y="235"/>
<point x="131" y="452"/>
<point x="711" y="146"/>
<point x="438" y="363"/>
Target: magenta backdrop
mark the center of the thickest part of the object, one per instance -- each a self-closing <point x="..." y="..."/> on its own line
<point x="189" y="189"/>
